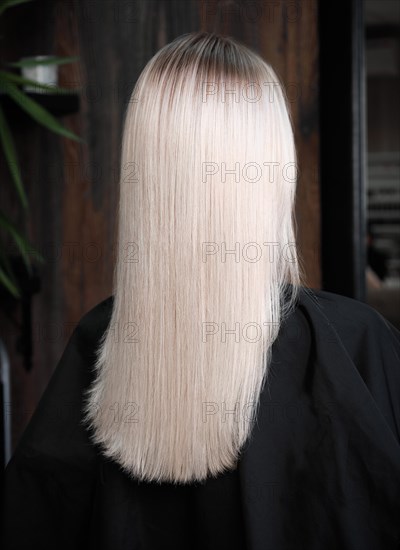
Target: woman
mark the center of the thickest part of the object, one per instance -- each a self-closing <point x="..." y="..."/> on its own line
<point x="213" y="401"/>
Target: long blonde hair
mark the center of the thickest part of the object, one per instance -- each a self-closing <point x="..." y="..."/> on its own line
<point x="207" y="268"/>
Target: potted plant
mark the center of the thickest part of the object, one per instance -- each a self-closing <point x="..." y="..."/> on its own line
<point x="18" y="89"/>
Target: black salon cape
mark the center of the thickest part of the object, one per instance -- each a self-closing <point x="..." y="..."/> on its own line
<point x="321" y="470"/>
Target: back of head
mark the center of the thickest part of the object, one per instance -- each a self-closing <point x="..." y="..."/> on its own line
<point x="206" y="255"/>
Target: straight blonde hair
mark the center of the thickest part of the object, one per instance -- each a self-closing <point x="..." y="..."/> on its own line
<point x="210" y="269"/>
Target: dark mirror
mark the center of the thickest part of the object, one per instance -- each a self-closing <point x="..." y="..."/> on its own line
<point x="382" y="44"/>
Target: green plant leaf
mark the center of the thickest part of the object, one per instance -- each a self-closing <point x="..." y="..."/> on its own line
<point x="22" y="243"/>
<point x="51" y="60"/>
<point x="9" y="3"/>
<point x="24" y="246"/>
<point x="11" y="158"/>
<point x="12" y="77"/>
<point x="39" y="113"/>
<point x="6" y="281"/>
<point x="8" y="278"/>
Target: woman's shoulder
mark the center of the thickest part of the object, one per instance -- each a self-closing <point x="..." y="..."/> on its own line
<point x="334" y="301"/>
<point x="95" y="321"/>
<point x="343" y="312"/>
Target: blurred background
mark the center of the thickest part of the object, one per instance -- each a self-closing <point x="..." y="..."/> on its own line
<point x="68" y="68"/>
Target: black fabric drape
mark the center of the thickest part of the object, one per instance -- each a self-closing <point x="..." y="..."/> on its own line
<point x="320" y="471"/>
